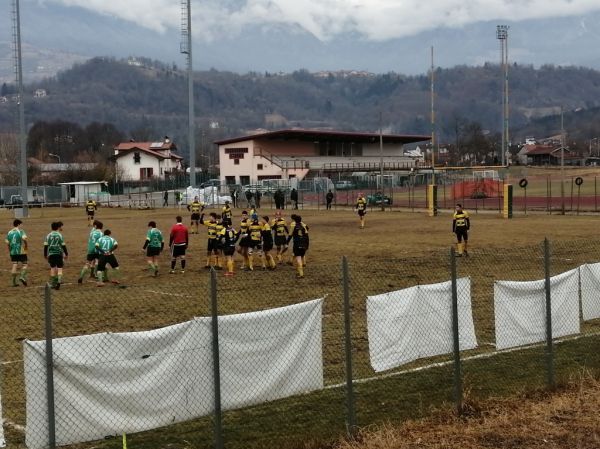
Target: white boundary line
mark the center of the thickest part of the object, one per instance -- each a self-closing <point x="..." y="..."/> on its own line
<point x="486" y="355"/>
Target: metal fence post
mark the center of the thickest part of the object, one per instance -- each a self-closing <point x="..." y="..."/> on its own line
<point x="49" y="368"/>
<point x="455" y="335"/>
<point x="216" y="364"/>
<point x="351" y="429"/>
<point x="549" y="345"/>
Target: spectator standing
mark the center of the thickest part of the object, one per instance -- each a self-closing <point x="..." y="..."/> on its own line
<point x="166" y="198"/>
<point x="257" y="196"/>
<point x="329" y="199"/>
<point x="294" y="198"/>
<point x="249" y="197"/>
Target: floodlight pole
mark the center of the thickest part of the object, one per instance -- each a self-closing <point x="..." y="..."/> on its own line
<point x="502" y="36"/>
<point x="19" y="79"/>
<point x="186" y="48"/>
<point x="432" y="121"/>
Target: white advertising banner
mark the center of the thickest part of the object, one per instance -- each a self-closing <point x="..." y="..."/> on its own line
<point x="416" y="322"/>
<point x="108" y="384"/>
<point x="590" y="291"/>
<point x="520" y="309"/>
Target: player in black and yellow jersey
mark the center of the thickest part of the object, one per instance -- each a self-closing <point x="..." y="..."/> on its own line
<point x="226" y="214"/>
<point x="212" y="246"/>
<point x="306" y="235"/>
<point x="460" y="226"/>
<point x="244" y="239"/>
<point x="361" y="209"/>
<point x="195" y="207"/>
<point x="228" y="238"/>
<point x="281" y="231"/>
<point x="219" y="228"/>
<point x="255" y="239"/>
<point x="90" y="209"/>
<point x="267" y="244"/>
<point x="299" y="236"/>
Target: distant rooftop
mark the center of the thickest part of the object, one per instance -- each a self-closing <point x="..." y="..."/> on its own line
<point x="312" y="135"/>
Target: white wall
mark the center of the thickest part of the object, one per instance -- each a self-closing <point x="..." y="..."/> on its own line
<point x="130" y="171"/>
<point x="372" y="149"/>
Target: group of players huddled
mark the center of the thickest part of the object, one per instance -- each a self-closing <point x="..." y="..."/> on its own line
<point x="254" y="237"/>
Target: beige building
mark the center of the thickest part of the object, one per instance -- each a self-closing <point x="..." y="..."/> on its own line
<point x="137" y="161"/>
<point x="300" y="153"/>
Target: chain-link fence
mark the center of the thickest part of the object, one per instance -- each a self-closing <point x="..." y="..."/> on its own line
<point x="263" y="359"/>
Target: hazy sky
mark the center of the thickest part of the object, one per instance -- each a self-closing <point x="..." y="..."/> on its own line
<point x="374" y="20"/>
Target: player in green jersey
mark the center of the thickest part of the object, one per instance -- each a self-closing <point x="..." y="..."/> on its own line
<point x="55" y="251"/>
<point x="106" y="246"/>
<point x="92" y="254"/>
<point x="153" y="245"/>
<point x="16" y="239"/>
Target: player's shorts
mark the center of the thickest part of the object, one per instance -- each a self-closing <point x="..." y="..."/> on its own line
<point x="299" y="252"/>
<point x="226" y="221"/>
<point x="462" y="233"/>
<point x="213" y="245"/>
<point x="280" y="240"/>
<point x="91" y="257"/>
<point x="18" y="258"/>
<point x="362" y="213"/>
<point x="107" y="259"/>
<point x="267" y="246"/>
<point x="229" y="251"/>
<point x="245" y="242"/>
<point x="90" y="213"/>
<point x="195" y="217"/>
<point x="56" y="261"/>
<point x="254" y="244"/>
<point x="152" y="251"/>
<point x="178" y="250"/>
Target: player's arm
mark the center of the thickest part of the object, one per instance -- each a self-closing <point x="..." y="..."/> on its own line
<point x="468" y="222"/>
<point x="146" y="243"/>
<point x="454" y="225"/>
<point x="45" y="250"/>
<point x="188" y="207"/>
<point x="7" y="244"/>
<point x="64" y="248"/>
<point x="25" y="247"/>
<point x="171" y="238"/>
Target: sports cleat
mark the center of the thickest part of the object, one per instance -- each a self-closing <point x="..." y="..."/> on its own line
<point x="155" y="273"/>
<point x="57" y="286"/>
<point x="80" y="281"/>
<point x="298" y="276"/>
<point x="207" y="267"/>
<point x="100" y="285"/>
<point x="115" y="282"/>
<point x="172" y="272"/>
<point x="23" y="281"/>
<point x="15" y="285"/>
<point x="227" y="273"/>
<point x="182" y="271"/>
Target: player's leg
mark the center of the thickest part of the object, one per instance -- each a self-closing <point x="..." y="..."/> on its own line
<point x="459" y="244"/>
<point x="13" y="273"/>
<point x="59" y="272"/>
<point x="23" y="276"/>
<point x="100" y="270"/>
<point x="466" y="241"/>
<point x="115" y="272"/>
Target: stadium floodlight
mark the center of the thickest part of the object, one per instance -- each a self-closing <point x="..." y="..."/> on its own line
<point x="502" y="36"/>
<point x="186" y="49"/>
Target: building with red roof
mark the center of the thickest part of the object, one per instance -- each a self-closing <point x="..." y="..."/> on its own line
<point x="137" y="161"/>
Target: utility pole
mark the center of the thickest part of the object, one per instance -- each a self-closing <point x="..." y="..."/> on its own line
<point x="18" y="59"/>
<point x="381" y="160"/>
<point x="186" y="49"/>
<point x="562" y="162"/>
<point x="433" y="142"/>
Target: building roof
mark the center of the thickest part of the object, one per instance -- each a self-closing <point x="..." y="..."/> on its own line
<point x="316" y="135"/>
<point x="548" y="149"/>
<point x="152" y="148"/>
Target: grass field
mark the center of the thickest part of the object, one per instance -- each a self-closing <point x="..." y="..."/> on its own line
<point x="396" y="250"/>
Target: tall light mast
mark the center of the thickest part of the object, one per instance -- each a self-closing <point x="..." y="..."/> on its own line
<point x="186" y="49"/>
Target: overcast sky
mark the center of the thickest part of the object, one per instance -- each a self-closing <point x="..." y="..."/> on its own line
<point x="374" y="20"/>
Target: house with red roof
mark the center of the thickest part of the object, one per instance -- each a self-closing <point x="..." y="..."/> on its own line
<point x="536" y="154"/>
<point x="137" y="161"/>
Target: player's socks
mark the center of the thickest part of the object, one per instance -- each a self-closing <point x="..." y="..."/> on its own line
<point x="300" y="270"/>
<point x="83" y="272"/>
<point x="250" y="262"/>
<point x="100" y="276"/>
<point x="14" y="279"/>
<point x="230" y="266"/>
<point x="278" y="257"/>
<point x="59" y="279"/>
<point x="271" y="262"/>
<point x="92" y="272"/>
<point x="182" y="264"/>
<point x="23" y="277"/>
<point x="173" y="263"/>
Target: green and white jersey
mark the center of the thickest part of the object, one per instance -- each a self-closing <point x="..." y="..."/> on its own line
<point x="16" y="241"/>
<point x="55" y="242"/>
<point x="154" y="237"/>
<point x="106" y="244"/>
<point x="95" y="234"/>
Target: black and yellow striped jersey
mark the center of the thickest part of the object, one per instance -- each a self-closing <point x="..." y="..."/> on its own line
<point x="361" y="203"/>
<point x="280" y="227"/>
<point x="461" y="220"/>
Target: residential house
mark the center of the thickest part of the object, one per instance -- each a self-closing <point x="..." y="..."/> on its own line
<point x="136" y="161"/>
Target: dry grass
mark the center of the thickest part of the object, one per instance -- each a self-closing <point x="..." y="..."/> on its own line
<point x="565" y="419"/>
<point x="396" y="250"/>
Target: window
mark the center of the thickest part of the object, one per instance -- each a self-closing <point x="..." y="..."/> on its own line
<point x="229" y="180"/>
<point x="136" y="157"/>
<point x="244" y="180"/>
<point x="259" y="166"/>
<point x="146" y="172"/>
<point x="236" y="162"/>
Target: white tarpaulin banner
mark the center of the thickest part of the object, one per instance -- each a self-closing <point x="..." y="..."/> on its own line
<point x="520" y="309"/>
<point x="2" y="440"/>
<point x="108" y="384"/>
<point x="416" y="322"/>
<point x="590" y="291"/>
